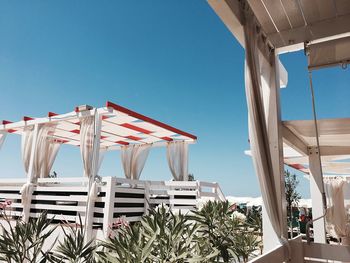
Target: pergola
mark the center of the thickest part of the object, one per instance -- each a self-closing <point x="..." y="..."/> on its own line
<point x="95" y="131"/>
<point x="266" y="29"/>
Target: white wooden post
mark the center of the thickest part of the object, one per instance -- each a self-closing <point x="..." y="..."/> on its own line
<point x="26" y="209"/>
<point x="147" y="197"/>
<point x="316" y="182"/>
<point x="271" y="100"/>
<point x="109" y="205"/>
<point x="198" y="184"/>
<point x="95" y="160"/>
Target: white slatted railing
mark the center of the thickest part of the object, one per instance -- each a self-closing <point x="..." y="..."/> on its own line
<point x="66" y="198"/>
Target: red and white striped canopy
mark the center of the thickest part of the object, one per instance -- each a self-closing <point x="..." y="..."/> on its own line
<point x="120" y="126"/>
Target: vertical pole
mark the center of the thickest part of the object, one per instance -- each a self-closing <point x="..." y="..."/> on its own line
<point x="30" y="175"/>
<point x="109" y="205"/>
<point x="316" y="195"/>
<point x="95" y="160"/>
<point x="146" y="198"/>
<point x="271" y="100"/>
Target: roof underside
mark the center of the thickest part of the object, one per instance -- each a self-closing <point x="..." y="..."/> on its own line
<point x="288" y="22"/>
<point x="120" y="126"/>
<point x="334" y="141"/>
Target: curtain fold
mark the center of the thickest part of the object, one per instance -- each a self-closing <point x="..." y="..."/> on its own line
<point x="133" y="159"/>
<point x="3" y="135"/>
<point x="45" y="152"/>
<point x="87" y="127"/>
<point x="26" y="146"/>
<point x="258" y="131"/>
<point x="177" y="156"/>
<point x="336" y="216"/>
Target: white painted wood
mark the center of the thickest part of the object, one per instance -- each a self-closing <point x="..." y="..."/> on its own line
<point x="296" y="249"/>
<point x="271" y="101"/>
<point x="95" y="163"/>
<point x="30" y="179"/>
<point x="316" y="186"/>
<point x="327" y="251"/>
<point x="62" y="117"/>
<point x="147" y="197"/>
<point x="63" y="180"/>
<point x="54" y="188"/>
<point x="276" y="255"/>
<point x="128" y="209"/>
<point x="109" y="206"/>
<point x="129" y="190"/>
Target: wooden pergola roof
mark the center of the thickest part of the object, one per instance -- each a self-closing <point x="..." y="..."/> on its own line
<point x="120" y="126"/>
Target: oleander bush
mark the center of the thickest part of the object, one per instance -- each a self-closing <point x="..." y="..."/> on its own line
<point x="214" y="233"/>
<point x="24" y="242"/>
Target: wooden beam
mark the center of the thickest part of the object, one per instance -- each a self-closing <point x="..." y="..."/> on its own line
<point x="230" y="14"/>
<point x="294" y="141"/>
<point x="295" y="37"/>
<point x="334" y="150"/>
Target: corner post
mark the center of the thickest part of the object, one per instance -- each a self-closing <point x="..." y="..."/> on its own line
<point x="316" y="182"/>
<point x="30" y="175"/>
<point x="109" y="205"/>
<point x="95" y="162"/>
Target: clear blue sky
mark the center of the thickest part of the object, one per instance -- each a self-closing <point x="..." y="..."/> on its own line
<point x="172" y="60"/>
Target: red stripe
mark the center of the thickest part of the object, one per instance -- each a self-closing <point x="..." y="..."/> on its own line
<point x="105" y="117"/>
<point x="133" y="138"/>
<point x="51" y="114"/>
<point x="11" y="130"/>
<point x="297" y="166"/>
<point x="6" y="122"/>
<point x="61" y="141"/>
<point x="75" y="131"/>
<point x="147" y="119"/>
<point x="122" y="142"/>
<point x="135" y="128"/>
<point x="26" y="118"/>
<point x="103" y="137"/>
<point x="167" y="139"/>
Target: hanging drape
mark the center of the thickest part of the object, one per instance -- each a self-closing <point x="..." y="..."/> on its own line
<point x="177" y="156"/>
<point x="26" y="146"/>
<point x="3" y="135"/>
<point x="255" y="69"/>
<point x="45" y="152"/>
<point x="336" y="216"/>
<point x="133" y="159"/>
<point x="87" y="127"/>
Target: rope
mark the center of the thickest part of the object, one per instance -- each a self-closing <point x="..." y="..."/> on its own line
<point x="324" y="200"/>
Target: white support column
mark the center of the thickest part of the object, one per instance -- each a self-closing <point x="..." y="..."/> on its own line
<point x="271" y="100"/>
<point x="30" y="175"/>
<point x="95" y="160"/>
<point x="316" y="182"/>
<point x="147" y="197"/>
<point x="109" y="205"/>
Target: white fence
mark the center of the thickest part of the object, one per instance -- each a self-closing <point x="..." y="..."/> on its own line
<point x="66" y="198"/>
<point x="300" y="251"/>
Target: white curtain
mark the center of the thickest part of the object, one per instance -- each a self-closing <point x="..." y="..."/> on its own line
<point x="133" y="159"/>
<point x="26" y="146"/>
<point x="177" y="155"/>
<point x="87" y="127"/>
<point x="46" y="149"/>
<point x="2" y="137"/>
<point x="258" y="132"/>
<point x="336" y="214"/>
